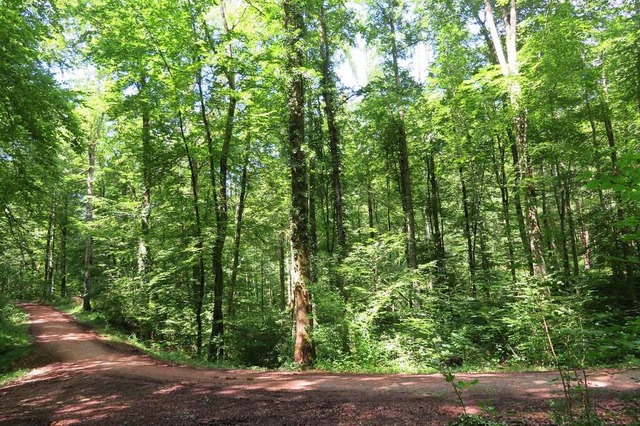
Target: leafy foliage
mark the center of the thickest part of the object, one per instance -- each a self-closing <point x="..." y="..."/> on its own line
<point x="15" y="346"/>
<point x="484" y="175"/>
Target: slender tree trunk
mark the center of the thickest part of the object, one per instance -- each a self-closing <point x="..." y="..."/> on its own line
<point x="52" y="263"/>
<point x="501" y="179"/>
<point x="328" y="90"/>
<point x="533" y="224"/>
<point x="510" y="70"/>
<point x="388" y="203"/>
<point x="435" y="213"/>
<point x="410" y="222"/>
<point x="370" y="212"/>
<point x="282" y="275"/>
<point x="198" y="267"/>
<point x="596" y="150"/>
<point x="403" y="155"/>
<point x="88" y="244"/>
<point x="524" y="237"/>
<point x="301" y="268"/>
<point x="238" y="232"/>
<point x="50" y="247"/>
<point x="219" y="192"/>
<point x="547" y="237"/>
<point x="484" y="257"/>
<point x="147" y="158"/>
<point x="64" y="230"/>
<point x="471" y="258"/>
<point x="334" y="135"/>
<point x="216" y="350"/>
<point x="313" y="224"/>
<point x="561" y="206"/>
<point x="572" y="227"/>
<point x="585" y="238"/>
<point x="625" y="247"/>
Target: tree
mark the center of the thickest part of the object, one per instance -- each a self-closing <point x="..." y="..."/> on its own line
<point x="509" y="67"/>
<point x="301" y="268"/>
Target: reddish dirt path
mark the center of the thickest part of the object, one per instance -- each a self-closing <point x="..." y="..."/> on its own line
<point x="85" y="380"/>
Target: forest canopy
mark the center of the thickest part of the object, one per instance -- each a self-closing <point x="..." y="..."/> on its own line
<point x="372" y="184"/>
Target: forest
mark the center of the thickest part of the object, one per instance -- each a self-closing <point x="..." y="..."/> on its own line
<point x="364" y="185"/>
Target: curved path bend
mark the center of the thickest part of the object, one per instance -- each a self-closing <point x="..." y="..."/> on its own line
<point x="84" y="379"/>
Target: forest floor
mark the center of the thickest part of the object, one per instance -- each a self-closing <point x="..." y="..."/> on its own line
<point x="80" y="378"/>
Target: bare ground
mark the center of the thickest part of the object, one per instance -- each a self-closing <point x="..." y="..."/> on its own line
<point x="82" y="379"/>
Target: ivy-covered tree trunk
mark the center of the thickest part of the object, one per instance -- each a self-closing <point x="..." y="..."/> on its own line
<point x="301" y="267"/>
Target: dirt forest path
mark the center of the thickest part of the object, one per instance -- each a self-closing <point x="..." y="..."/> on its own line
<point x="85" y="380"/>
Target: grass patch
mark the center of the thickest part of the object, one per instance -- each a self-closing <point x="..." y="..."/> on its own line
<point x="15" y="343"/>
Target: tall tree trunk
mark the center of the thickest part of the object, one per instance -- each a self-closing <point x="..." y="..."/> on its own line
<point x="572" y="227"/>
<point x="388" y="203"/>
<point x="49" y="250"/>
<point x="403" y="154"/>
<point x="535" y="234"/>
<point x="561" y="206"/>
<point x="434" y="208"/>
<point x="596" y="149"/>
<point x="548" y="242"/>
<point x="64" y="230"/>
<point x="219" y="192"/>
<point x="88" y="244"/>
<point x="238" y="232"/>
<point x="624" y="245"/>
<point x="517" y="189"/>
<point x="484" y="253"/>
<point x="585" y="238"/>
<point x="147" y="158"/>
<point x="510" y="70"/>
<point x="501" y="179"/>
<point x="198" y="267"/>
<point x="301" y="267"/>
<point x="216" y="350"/>
<point x="282" y="275"/>
<point x="471" y="257"/>
<point x="328" y="90"/>
<point x="314" y="183"/>
<point x="370" y="212"/>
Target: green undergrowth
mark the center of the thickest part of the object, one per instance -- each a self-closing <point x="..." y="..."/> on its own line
<point x="99" y="323"/>
<point x="15" y="343"/>
<point x="391" y="368"/>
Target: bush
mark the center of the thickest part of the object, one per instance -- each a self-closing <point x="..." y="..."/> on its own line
<point x="14" y="339"/>
<point x="253" y="342"/>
